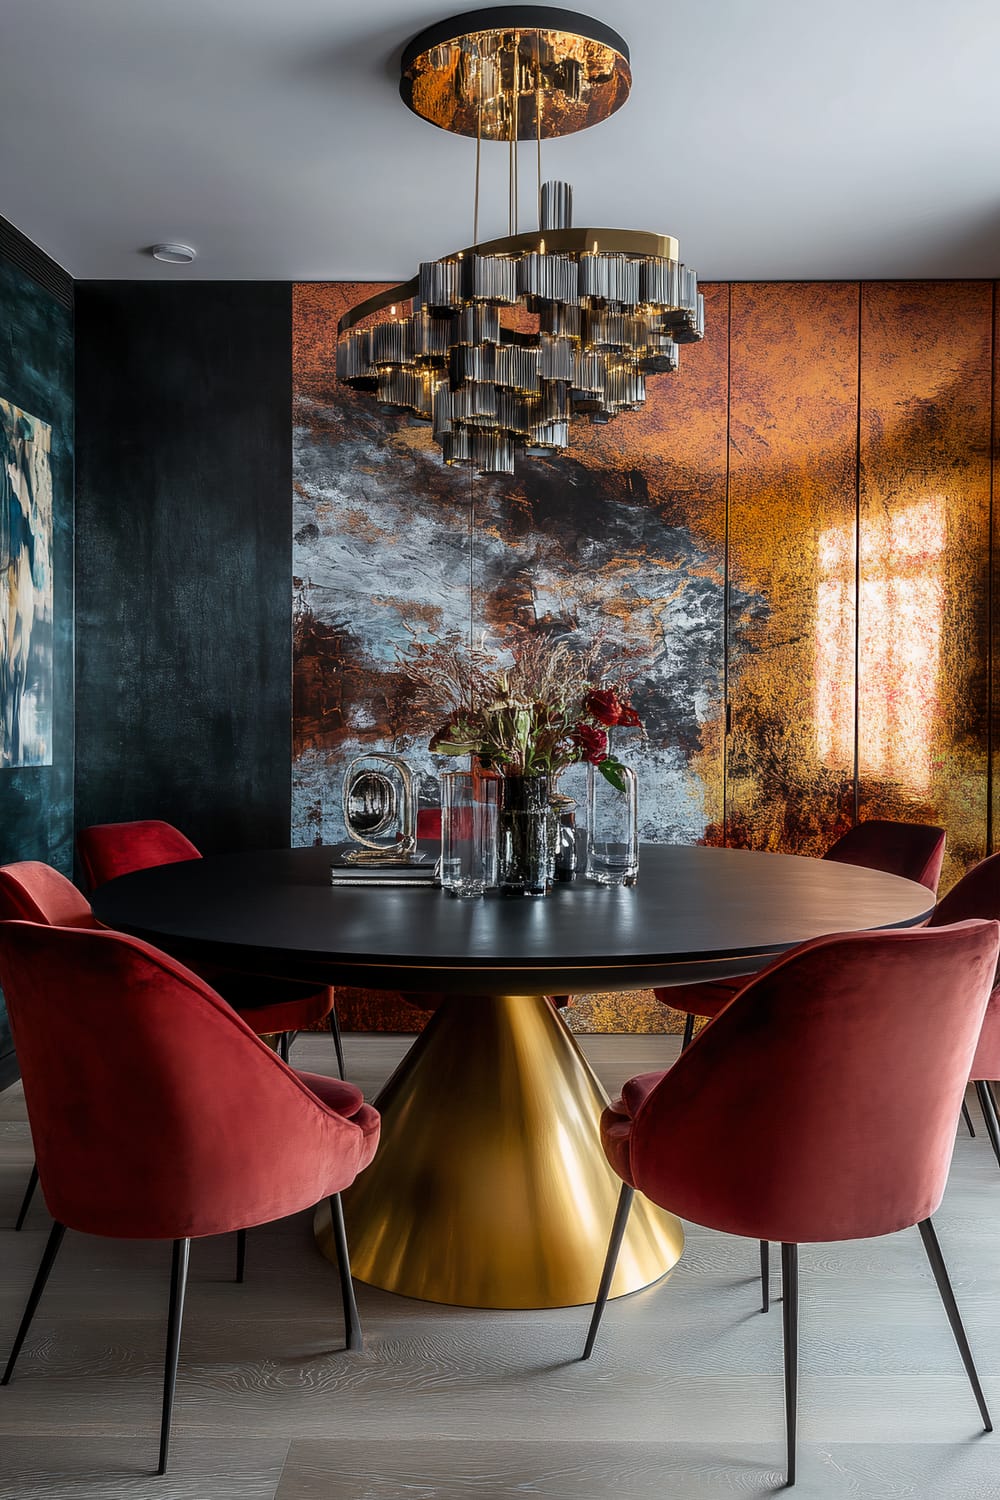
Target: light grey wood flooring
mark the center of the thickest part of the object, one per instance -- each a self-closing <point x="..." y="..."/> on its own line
<point x="682" y="1398"/>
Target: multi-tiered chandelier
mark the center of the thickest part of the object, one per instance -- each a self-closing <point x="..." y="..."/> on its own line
<point x="502" y="344"/>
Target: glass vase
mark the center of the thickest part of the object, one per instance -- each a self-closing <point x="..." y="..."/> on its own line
<point x="523" y="825"/>
<point x="468" y="832"/>
<point x="612" y="829"/>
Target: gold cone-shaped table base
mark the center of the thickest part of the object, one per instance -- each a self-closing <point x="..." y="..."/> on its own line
<point x="490" y="1187"/>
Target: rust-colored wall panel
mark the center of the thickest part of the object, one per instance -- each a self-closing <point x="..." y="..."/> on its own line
<point x="993" y="694"/>
<point x="924" y="565"/>
<point x="793" y="427"/>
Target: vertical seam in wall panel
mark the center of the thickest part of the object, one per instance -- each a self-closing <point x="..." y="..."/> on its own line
<point x="857" y="572"/>
<point x="990" y="570"/>
<point x="72" y="584"/>
<point x="726" y="716"/>
<point x="291" y="553"/>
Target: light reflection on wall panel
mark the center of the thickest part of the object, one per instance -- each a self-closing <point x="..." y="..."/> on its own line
<point x="924" y="525"/>
<point x="793" y="423"/>
<point x="902" y="604"/>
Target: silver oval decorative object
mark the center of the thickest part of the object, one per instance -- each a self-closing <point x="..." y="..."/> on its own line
<point x="379" y="807"/>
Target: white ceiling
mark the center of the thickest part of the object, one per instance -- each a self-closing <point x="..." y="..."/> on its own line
<point x="775" y="138"/>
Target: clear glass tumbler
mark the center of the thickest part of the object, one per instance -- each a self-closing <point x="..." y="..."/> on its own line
<point x="468" y="832"/>
<point x="612" y="829"/>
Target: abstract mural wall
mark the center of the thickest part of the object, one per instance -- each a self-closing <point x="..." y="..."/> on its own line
<point x="796" y="529"/>
<point x="25" y="589"/>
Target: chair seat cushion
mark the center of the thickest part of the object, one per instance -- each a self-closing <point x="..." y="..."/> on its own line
<point x="269" y="1005"/>
<point x="347" y="1100"/>
<point x="703" y="999"/>
<point x="986" y="1063"/>
<point x="638" y="1089"/>
<point x="616" y="1122"/>
<point x="369" y="1122"/>
<point x="343" y="1098"/>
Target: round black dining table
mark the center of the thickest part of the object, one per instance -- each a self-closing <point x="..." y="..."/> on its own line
<point x="490" y="1188"/>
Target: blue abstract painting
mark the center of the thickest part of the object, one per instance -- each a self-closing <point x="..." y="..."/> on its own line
<point x="26" y="630"/>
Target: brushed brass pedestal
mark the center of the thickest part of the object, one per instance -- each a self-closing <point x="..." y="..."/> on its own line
<point x="490" y="1187"/>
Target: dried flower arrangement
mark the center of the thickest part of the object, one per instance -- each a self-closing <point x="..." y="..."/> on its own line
<point x="547" y="706"/>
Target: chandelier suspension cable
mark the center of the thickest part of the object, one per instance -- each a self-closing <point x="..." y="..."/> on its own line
<point x="511" y="171"/>
<point x="472" y="558"/>
<point x="517" y="122"/>
<point x="479" y="147"/>
<point x="538" y="129"/>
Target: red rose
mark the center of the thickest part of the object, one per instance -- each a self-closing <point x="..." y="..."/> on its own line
<point x="593" y="742"/>
<point x="628" y="718"/>
<point x="603" y="704"/>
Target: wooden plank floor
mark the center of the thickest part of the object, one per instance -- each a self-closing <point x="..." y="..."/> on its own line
<point x="682" y="1398"/>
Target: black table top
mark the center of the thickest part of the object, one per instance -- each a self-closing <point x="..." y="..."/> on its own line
<point x="696" y="913"/>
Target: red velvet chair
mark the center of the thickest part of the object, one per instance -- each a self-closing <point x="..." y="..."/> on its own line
<point x="788" y="1129"/>
<point x="977" y="894"/>
<point x="158" y="1114"/>
<point x="270" y="1006"/>
<point x="913" y="850"/>
<point x="33" y="892"/>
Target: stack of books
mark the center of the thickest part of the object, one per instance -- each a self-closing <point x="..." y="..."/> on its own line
<point x="417" y="869"/>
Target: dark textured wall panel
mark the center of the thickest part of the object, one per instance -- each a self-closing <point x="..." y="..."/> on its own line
<point x="793" y="449"/>
<point x="36" y="374"/>
<point x="183" y="558"/>
<point x="925" y="543"/>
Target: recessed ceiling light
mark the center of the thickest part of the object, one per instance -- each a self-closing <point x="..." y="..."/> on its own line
<point x="174" y="254"/>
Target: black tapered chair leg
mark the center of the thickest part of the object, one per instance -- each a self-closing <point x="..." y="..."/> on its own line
<point x="175" y="1317"/>
<point x="933" y="1249"/>
<point x="29" y="1193"/>
<point x="688" y="1032"/>
<point x="765" y="1276"/>
<point x="988" y="1105"/>
<point x="790" y="1339"/>
<point x="337" y="1042"/>
<point x="968" y="1120"/>
<point x="241" y="1254"/>
<point x="49" y="1254"/>
<point x="610" y="1261"/>
<point x="352" y="1322"/>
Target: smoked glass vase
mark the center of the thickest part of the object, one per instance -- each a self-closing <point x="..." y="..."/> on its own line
<point x="523" y="835"/>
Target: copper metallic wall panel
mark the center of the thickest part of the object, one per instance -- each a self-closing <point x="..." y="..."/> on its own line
<point x="632" y="524"/>
<point x="993" y="687"/>
<point x="793" y="425"/>
<point x="924" y="565"/>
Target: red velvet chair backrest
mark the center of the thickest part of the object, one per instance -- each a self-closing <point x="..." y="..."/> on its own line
<point x="822" y="1103"/>
<point x="108" y="850"/>
<point x="912" y="850"/>
<point x="429" y="823"/>
<point x="977" y="894"/>
<point x="155" y="1111"/>
<point x="33" y="892"/>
